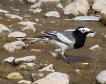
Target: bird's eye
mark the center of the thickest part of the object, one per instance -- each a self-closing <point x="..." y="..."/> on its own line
<point x="83" y="30"/>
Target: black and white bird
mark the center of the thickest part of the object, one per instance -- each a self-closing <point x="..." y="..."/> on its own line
<point x="65" y="40"/>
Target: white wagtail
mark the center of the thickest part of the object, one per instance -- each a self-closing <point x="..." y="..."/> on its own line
<point x="65" y="40"/>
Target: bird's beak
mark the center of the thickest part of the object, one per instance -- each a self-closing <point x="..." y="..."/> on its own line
<point x="90" y="32"/>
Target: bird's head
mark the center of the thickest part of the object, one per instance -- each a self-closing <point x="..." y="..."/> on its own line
<point x="83" y="30"/>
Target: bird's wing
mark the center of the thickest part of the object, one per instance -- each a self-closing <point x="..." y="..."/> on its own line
<point x="60" y="36"/>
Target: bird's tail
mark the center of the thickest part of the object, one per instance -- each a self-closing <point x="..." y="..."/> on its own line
<point x="33" y="39"/>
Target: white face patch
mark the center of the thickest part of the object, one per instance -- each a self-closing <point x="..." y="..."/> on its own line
<point x="84" y="30"/>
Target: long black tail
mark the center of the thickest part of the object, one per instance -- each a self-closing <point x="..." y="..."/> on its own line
<point x="47" y="38"/>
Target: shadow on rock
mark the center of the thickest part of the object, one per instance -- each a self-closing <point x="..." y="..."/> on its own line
<point x="72" y="59"/>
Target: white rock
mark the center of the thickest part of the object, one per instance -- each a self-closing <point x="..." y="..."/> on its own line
<point x="103" y="12"/>
<point x="103" y="16"/>
<point x="3" y="11"/>
<point x="54" y="78"/>
<point x="25" y="59"/>
<point x="13" y="16"/>
<point x="27" y="23"/>
<point x="9" y="59"/>
<point x="54" y="54"/>
<point x="15" y="76"/>
<point x="105" y="36"/>
<point x="85" y="63"/>
<point x="17" y="34"/>
<point x="49" y="0"/>
<point x="59" y="5"/>
<point x="14" y="45"/>
<point x="29" y="66"/>
<point x="36" y="19"/>
<point x="36" y="5"/>
<point x="4" y="28"/>
<point x="88" y="18"/>
<point x="99" y="5"/>
<point x="101" y="77"/>
<point x="37" y="10"/>
<point x="48" y="68"/>
<point x="95" y="47"/>
<point x="28" y="27"/>
<point x="76" y="7"/>
<point x="36" y="50"/>
<point x="53" y="14"/>
<point x="91" y="34"/>
<point x="24" y="82"/>
<point x="32" y="1"/>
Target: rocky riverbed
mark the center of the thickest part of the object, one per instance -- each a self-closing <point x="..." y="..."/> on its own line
<point x="26" y="62"/>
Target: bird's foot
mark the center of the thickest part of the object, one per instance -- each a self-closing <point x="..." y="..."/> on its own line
<point x="64" y="58"/>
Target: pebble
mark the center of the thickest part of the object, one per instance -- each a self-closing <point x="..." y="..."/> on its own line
<point x="54" y="78"/>
<point x="37" y="76"/>
<point x="48" y="68"/>
<point x="3" y="11"/>
<point x="11" y="16"/>
<point x="50" y="1"/>
<point x="24" y="82"/>
<point x="36" y="50"/>
<point x="31" y="1"/>
<point x="15" y="76"/>
<point x="28" y="25"/>
<point x="101" y="77"/>
<point x="76" y="7"/>
<point x="54" y="54"/>
<point x="91" y="34"/>
<point x="36" y="5"/>
<point x="9" y="60"/>
<point x="37" y="10"/>
<point x="16" y="34"/>
<point x="4" y="28"/>
<point x="95" y="47"/>
<point x="25" y="59"/>
<point x="29" y="66"/>
<point x="14" y="45"/>
<point x="59" y="5"/>
<point x="52" y="14"/>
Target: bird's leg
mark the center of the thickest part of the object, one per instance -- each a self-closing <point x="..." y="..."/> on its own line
<point x="62" y="53"/>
